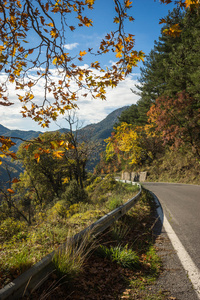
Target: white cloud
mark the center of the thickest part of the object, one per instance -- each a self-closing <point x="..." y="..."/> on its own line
<point x="71" y="46"/>
<point x="90" y="110"/>
<point x="95" y="110"/>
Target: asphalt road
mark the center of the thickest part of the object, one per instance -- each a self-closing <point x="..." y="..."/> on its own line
<point x="181" y="206"/>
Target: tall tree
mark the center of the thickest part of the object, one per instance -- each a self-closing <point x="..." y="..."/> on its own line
<point x="133" y="145"/>
<point x="183" y="61"/>
<point x="129" y="115"/>
<point x="80" y="150"/>
<point x="45" y="167"/>
<point x="155" y="72"/>
<point x="176" y="111"/>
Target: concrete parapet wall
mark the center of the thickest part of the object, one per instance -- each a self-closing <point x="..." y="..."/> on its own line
<point x="126" y="176"/>
<point x="134" y="176"/>
<point x="143" y="176"/>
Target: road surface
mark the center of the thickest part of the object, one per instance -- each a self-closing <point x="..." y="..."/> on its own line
<point x="181" y="206"/>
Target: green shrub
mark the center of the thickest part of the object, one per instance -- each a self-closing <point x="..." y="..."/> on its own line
<point x="123" y="256"/>
<point x="89" y="216"/>
<point x="90" y="188"/>
<point x="114" y="202"/>
<point x="153" y="260"/>
<point x="131" y="188"/>
<point x="4" y="211"/>
<point x="122" y="188"/>
<point x="70" y="261"/>
<point x="11" y="227"/>
<point x="102" y="188"/>
<point x="59" y="210"/>
<point x="21" y="260"/>
<point x="120" y="230"/>
<point x="90" y="179"/>
<point x="74" y="193"/>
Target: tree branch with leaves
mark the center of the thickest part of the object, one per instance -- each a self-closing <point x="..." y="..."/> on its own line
<point x="25" y="66"/>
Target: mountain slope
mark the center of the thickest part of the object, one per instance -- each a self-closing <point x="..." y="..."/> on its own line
<point x="103" y="129"/>
<point x="21" y="134"/>
<point x="93" y="132"/>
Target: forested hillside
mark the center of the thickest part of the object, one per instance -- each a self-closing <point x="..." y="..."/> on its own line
<point x="161" y="132"/>
<point x="93" y="133"/>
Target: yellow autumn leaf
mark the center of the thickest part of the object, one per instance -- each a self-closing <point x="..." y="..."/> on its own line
<point x="2" y="48"/>
<point x="13" y="52"/>
<point x="17" y="72"/>
<point x="173" y="31"/>
<point x="82" y="53"/>
<point x="90" y="2"/>
<point x="37" y="157"/>
<point x="118" y="55"/>
<point x="128" y="3"/>
<point x="88" y="23"/>
<point x="58" y="154"/>
<point x="19" y="4"/>
<point x="31" y="96"/>
<point x="65" y="180"/>
<point x="55" y="61"/>
<point x="11" y="78"/>
<point x="188" y="3"/>
<point x="61" y="143"/>
<point x="116" y="20"/>
<point x="141" y="55"/>
<point x="54" y="33"/>
<point x="102" y="90"/>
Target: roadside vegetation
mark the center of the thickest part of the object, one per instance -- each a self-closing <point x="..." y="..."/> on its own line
<point x="121" y="264"/>
<point x="54" y="199"/>
<point x="23" y="244"/>
<point x="174" y="166"/>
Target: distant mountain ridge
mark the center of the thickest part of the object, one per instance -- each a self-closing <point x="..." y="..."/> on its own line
<point x="103" y="129"/>
<point x="95" y="132"/>
<point x="23" y="134"/>
<point x="100" y="130"/>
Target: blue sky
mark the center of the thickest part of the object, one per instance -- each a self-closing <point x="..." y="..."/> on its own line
<point x="146" y="29"/>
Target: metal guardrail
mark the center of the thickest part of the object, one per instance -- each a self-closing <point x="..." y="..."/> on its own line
<point x="38" y="273"/>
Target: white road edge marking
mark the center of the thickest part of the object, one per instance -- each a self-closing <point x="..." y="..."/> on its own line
<point x="192" y="271"/>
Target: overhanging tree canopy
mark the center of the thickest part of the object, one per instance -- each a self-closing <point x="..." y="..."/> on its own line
<point x="26" y="65"/>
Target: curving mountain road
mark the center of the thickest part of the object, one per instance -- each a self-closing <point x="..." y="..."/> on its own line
<point x="181" y="206"/>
